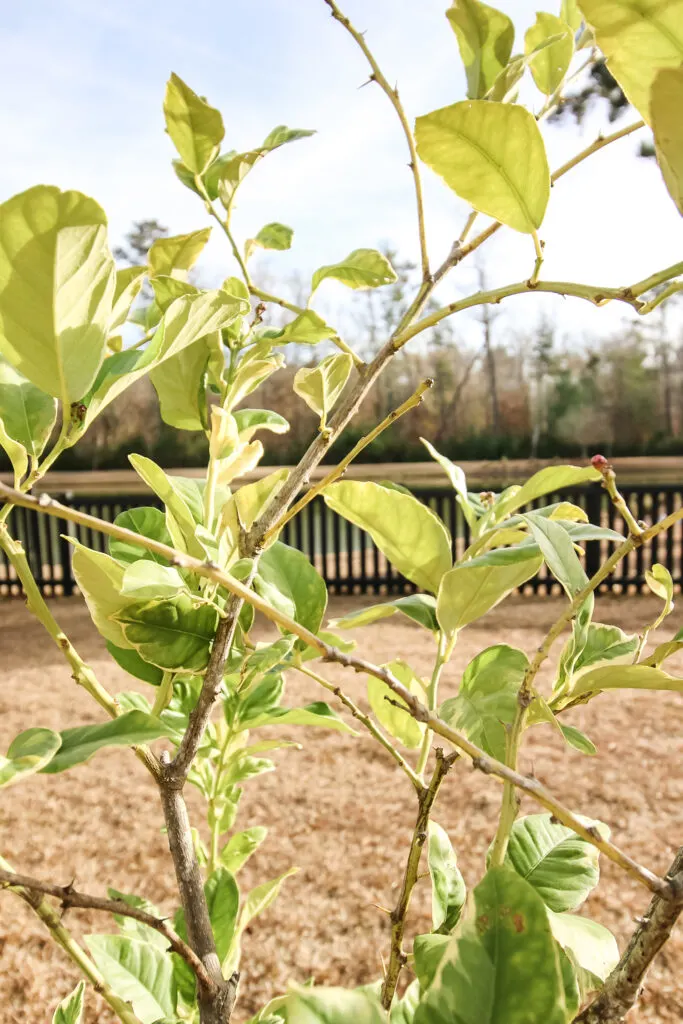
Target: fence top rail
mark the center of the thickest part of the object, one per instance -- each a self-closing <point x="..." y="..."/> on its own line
<point x="497" y="474"/>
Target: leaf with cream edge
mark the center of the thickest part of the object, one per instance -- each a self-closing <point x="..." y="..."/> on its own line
<point x="545" y="481"/>
<point x="411" y="536"/>
<point x="320" y="386"/>
<point x="182" y="517"/>
<point x="148" y="522"/>
<point x="57" y="281"/>
<point x="174" y="635"/>
<point x="470" y="590"/>
<point x="638" y="37"/>
<point x="486" y="702"/>
<point x="137" y="972"/>
<point x="70" y="1010"/>
<point x="501" y="961"/>
<point x="591" y="948"/>
<point x="128" y="284"/>
<point x="79" y="744"/>
<point x="100" y="580"/>
<point x="29" y="752"/>
<point x="27" y="416"/>
<point x="306" y="329"/>
<point x="175" y="255"/>
<point x="553" y="41"/>
<point x="249" y="421"/>
<point x="421" y="608"/>
<point x="448" y="886"/>
<point x="665" y="106"/>
<point x="289" y="582"/>
<point x="485" y="37"/>
<point x="658" y="579"/>
<point x="362" y="268"/>
<point x="186" y="320"/>
<point x="492" y="155"/>
<point x="332" y="1006"/>
<point x="195" y="127"/>
<point x="398" y="721"/>
<point x="626" y="677"/>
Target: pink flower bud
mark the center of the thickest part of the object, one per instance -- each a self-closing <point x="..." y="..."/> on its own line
<point x="599" y="462"/>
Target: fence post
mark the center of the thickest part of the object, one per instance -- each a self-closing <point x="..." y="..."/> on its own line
<point x="594" y="513"/>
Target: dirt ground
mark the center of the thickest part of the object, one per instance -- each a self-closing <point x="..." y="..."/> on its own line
<point x="339" y="810"/>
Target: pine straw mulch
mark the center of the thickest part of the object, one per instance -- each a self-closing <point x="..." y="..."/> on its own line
<point x="338" y="809"/>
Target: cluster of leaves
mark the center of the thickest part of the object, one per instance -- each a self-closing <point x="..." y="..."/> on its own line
<point x="514" y="947"/>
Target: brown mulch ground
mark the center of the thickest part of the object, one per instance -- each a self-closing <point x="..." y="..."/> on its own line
<point x="338" y="809"/>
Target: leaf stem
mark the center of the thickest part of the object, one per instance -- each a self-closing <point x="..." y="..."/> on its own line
<point x="334" y="474"/>
<point x="164" y="694"/>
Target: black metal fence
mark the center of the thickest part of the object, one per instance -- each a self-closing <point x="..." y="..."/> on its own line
<point x="346" y="556"/>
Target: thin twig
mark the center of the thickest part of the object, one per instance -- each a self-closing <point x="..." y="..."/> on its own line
<point x="394" y="99"/>
<point x="426" y="798"/>
<point x="339" y="470"/>
<point x="70" y="898"/>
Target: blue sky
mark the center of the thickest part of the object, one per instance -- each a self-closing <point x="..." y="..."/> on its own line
<point x="83" y="82"/>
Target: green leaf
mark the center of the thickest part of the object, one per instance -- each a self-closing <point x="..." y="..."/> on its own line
<point x="28" y="752"/>
<point x="145" y="579"/>
<point x="262" y="897"/>
<point x="403" y="1010"/>
<point x="501" y="961"/>
<point x="492" y="155"/>
<point x="173" y="635"/>
<point x="196" y="129"/>
<point x="174" y="256"/>
<point x="448" y="886"/>
<point x="100" y="580"/>
<point x="180" y="384"/>
<point x="251" y="500"/>
<point x="559" y="554"/>
<point x="168" y="289"/>
<point x="458" y="481"/>
<point x="605" y="644"/>
<point x="428" y="952"/>
<point x="561" y="866"/>
<point x="320" y="386"/>
<point x="546" y="481"/>
<point x="485" y="37"/>
<point x="127" y="288"/>
<point x="487" y="698"/>
<point x="398" y="722"/>
<point x="550" y="63"/>
<point x="318" y="714"/>
<point x="362" y="268"/>
<point x="333" y="1006"/>
<point x="240" y="847"/>
<point x="136" y="929"/>
<point x="578" y="740"/>
<point x="250" y="420"/>
<point x="665" y="106"/>
<point x="186" y="320"/>
<point x="281" y="135"/>
<point x="421" y="608"/>
<point x="148" y="522"/>
<point x="79" y="744"/>
<point x="27" y="416"/>
<point x="411" y="536"/>
<point x="70" y="1010"/>
<point x="271" y="236"/>
<point x="306" y="329"/>
<point x="250" y="374"/>
<point x="287" y="580"/>
<point x="223" y="899"/>
<point x="638" y="37"/>
<point x="57" y="280"/>
<point x="626" y="677"/>
<point x="137" y="972"/>
<point x="469" y="591"/>
<point x="591" y="948"/>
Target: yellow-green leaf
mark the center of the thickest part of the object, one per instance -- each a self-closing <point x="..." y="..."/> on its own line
<point x="175" y="256"/>
<point x="552" y="478"/>
<point x="100" y="580"/>
<point x="550" y="63"/>
<point x="492" y="155"/>
<point x="398" y="722"/>
<point x="28" y="753"/>
<point x="638" y="37"/>
<point x="469" y="591"/>
<point x="626" y="677"/>
<point x="411" y="536"/>
<point x="127" y="288"/>
<point x="666" y="105"/>
<point x="196" y="128"/>
<point x="485" y="37"/>
<point x="57" y="282"/>
<point x="320" y="386"/>
<point x="362" y="268"/>
<point x="27" y="416"/>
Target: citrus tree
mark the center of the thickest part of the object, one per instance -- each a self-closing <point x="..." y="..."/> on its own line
<point x="176" y="594"/>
